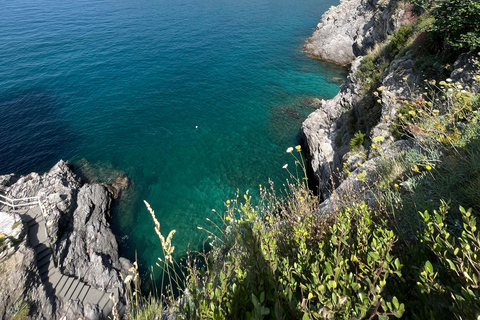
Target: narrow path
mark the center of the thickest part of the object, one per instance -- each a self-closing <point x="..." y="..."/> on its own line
<point x="65" y="288"/>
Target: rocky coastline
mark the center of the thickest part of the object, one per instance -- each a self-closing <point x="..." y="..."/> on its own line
<point x="344" y="36"/>
<point x="76" y="216"/>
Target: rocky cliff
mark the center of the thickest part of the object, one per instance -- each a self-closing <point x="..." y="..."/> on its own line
<point x="76" y="217"/>
<point x="354" y="26"/>
<point x="327" y="132"/>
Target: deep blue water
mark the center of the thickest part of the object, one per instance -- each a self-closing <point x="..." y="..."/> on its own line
<point x="193" y="99"/>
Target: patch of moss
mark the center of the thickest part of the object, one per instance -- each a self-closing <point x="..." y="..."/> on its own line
<point x="22" y="312"/>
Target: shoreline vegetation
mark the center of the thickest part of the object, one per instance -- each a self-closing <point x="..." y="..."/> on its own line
<point x="391" y="232"/>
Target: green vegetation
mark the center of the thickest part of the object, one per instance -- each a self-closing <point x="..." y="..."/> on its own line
<point x="358" y="141"/>
<point x="22" y="310"/>
<point x="456" y="28"/>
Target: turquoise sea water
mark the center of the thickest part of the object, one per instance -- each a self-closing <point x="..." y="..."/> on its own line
<point x="193" y="99"/>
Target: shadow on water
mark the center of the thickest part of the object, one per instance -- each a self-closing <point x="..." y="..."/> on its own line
<point x="33" y="135"/>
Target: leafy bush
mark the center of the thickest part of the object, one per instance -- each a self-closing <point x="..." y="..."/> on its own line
<point x="456" y="23"/>
<point x="458" y="263"/>
<point x="357" y="142"/>
<point x="399" y="39"/>
<point x="370" y="71"/>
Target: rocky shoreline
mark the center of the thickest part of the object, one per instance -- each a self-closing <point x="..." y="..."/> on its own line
<point x="76" y="216"/>
<point x="344" y="36"/>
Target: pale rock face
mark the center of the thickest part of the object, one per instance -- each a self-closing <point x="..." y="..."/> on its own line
<point x="351" y="28"/>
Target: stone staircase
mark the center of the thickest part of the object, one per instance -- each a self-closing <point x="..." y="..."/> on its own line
<point x="65" y="288"/>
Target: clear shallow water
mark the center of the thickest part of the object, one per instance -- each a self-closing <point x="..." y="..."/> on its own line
<point x="126" y="84"/>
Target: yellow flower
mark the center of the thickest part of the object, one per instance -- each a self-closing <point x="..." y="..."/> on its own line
<point x="404" y="78"/>
<point x="228" y="201"/>
<point x="359" y="164"/>
<point x="260" y="185"/>
<point x="428" y="168"/>
<point x="379" y="101"/>
<point x="373" y="146"/>
<point x="396" y="185"/>
<point x="227" y="218"/>
<point x="267" y="218"/>
<point x="381" y="88"/>
<point x="298" y="148"/>
<point x="301" y="198"/>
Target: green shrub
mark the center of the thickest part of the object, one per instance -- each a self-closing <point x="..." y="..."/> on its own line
<point x="358" y="141"/>
<point x="369" y="72"/>
<point x="457" y="24"/>
<point x="399" y="39"/>
<point x="455" y="275"/>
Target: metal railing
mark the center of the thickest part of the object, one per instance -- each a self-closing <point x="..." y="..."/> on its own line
<point x="26" y="202"/>
<point x="22" y="202"/>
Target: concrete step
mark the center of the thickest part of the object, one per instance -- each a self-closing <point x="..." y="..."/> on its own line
<point x="45" y="268"/>
<point x="77" y="291"/>
<point x="63" y="292"/>
<point x="121" y="308"/>
<point x="50" y="273"/>
<point x="32" y="221"/>
<point x="107" y="310"/>
<point x="44" y="260"/>
<point x="32" y="233"/>
<point x="72" y="289"/>
<point x="52" y="281"/>
<point x="102" y="303"/>
<point x="42" y="233"/>
<point x="60" y="283"/>
<point x="93" y="296"/>
<point x="83" y="293"/>
<point x="43" y="251"/>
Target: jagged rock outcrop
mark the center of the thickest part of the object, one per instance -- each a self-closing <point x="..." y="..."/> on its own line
<point x="76" y="216"/>
<point x="351" y="28"/>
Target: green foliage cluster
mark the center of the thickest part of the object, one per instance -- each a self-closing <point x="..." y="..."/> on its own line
<point x="458" y="263"/>
<point x="370" y="71"/>
<point x="456" y="24"/>
<point x="290" y="272"/>
<point x="358" y="141"/>
<point x="399" y="39"/>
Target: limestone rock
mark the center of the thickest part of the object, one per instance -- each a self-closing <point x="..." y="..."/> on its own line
<point x="351" y="28"/>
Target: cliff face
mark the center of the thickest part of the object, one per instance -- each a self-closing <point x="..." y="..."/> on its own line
<point x="327" y="132"/>
<point x="351" y="28"/>
<point x="84" y="248"/>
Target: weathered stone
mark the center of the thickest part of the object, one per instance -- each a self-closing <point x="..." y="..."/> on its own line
<point x="348" y="30"/>
<point x="76" y="216"/>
